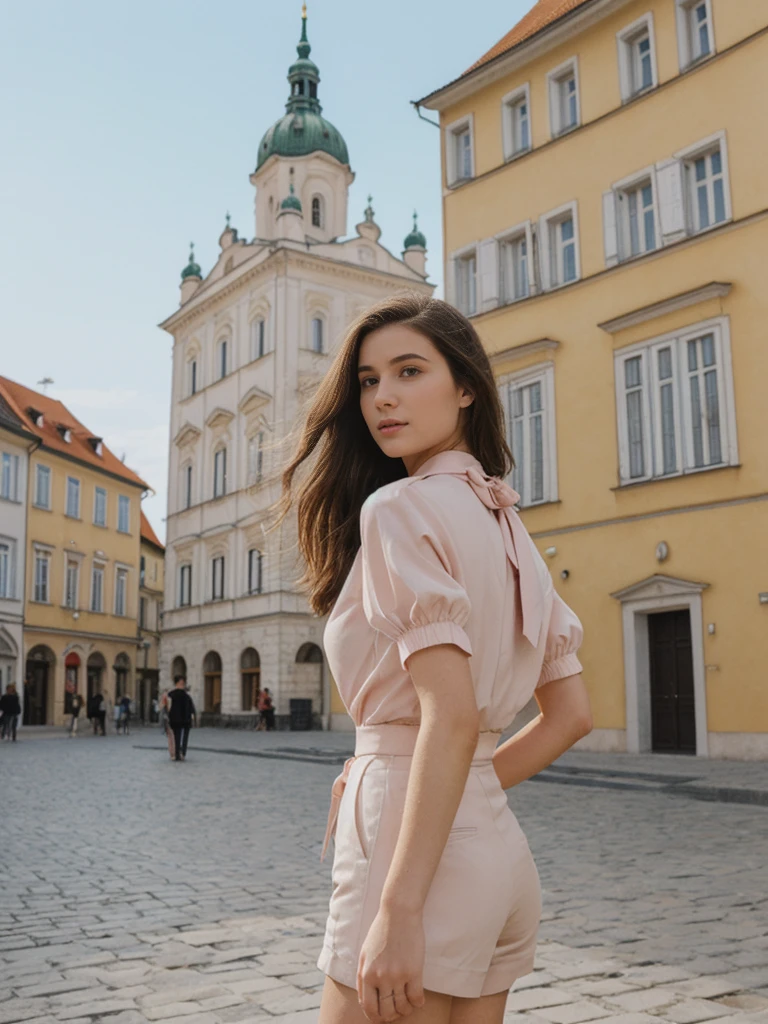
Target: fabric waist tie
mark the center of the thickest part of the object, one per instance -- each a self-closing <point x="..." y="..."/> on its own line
<point x="392" y="740"/>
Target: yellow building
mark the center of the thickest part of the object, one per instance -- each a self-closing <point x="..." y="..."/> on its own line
<point x="605" y="216"/>
<point x="151" y="584"/>
<point x="82" y="585"/>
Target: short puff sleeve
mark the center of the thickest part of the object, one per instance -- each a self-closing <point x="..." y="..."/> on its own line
<point x="563" y="640"/>
<point x="408" y="592"/>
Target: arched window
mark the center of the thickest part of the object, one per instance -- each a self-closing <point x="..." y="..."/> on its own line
<point x="71" y="672"/>
<point x="212" y="682"/>
<point x="193" y="375"/>
<point x="255" y="571"/>
<point x="250" y="674"/>
<point x="222" y="358"/>
<point x="317" y="334"/>
<point x="178" y="667"/>
<point x="318" y="220"/>
<point x="186" y="485"/>
<point x="219" y="472"/>
<point x="258" y="337"/>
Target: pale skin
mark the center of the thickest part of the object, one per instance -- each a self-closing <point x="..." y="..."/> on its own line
<point x="404" y="376"/>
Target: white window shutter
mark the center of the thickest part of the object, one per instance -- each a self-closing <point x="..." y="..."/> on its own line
<point x="544" y="263"/>
<point x="488" y="262"/>
<point x="610" y="236"/>
<point x="669" y="182"/>
<point x="450" y="281"/>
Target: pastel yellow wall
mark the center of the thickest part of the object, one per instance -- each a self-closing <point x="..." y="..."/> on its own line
<point x="606" y="536"/>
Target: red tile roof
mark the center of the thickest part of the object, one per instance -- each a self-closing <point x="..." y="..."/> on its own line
<point x="540" y="16"/>
<point x="148" y="534"/>
<point x="55" y="415"/>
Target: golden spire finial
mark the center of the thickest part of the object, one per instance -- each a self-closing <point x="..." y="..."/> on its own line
<point x="304" y="11"/>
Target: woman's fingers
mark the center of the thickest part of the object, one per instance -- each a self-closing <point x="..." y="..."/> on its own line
<point x="399" y="1000"/>
<point x="368" y="999"/>
<point x="414" y="991"/>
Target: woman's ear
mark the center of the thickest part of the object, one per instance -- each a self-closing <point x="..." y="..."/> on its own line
<point x="466" y="398"/>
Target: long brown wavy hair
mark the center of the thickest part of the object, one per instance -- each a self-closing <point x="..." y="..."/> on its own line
<point x="348" y="465"/>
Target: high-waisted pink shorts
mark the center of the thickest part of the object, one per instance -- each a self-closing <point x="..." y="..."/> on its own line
<point x="483" y="910"/>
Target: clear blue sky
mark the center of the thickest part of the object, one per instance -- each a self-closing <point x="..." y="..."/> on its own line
<point x="129" y="129"/>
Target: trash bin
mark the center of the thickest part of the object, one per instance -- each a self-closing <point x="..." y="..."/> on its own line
<point x="301" y="714"/>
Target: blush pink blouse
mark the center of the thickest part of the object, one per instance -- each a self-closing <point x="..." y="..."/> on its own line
<point x="445" y="559"/>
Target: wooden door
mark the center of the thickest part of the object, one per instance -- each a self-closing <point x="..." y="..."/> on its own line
<point x="673" y="720"/>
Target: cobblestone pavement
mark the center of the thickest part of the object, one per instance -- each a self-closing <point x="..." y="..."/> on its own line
<point x="140" y="890"/>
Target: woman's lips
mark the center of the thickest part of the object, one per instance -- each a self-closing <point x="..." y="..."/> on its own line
<point x="392" y="428"/>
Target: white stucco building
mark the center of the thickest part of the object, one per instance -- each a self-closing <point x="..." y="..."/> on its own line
<point x="251" y="340"/>
<point x="15" y="445"/>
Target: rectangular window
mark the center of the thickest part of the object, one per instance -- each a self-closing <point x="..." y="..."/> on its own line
<point x="562" y="251"/>
<point x="142" y="613"/>
<point x="637" y="57"/>
<point x="642" y="70"/>
<point x="220" y="473"/>
<point x="192" y="379"/>
<point x="42" y="487"/>
<point x="514" y="268"/>
<point x="637" y="213"/>
<point x="706" y="190"/>
<point x="317" y="334"/>
<point x="258" y="338"/>
<point x="564" y="114"/>
<point x="71" y="584"/>
<point x="517" y="122"/>
<point x="142" y="570"/>
<point x="100" y="507"/>
<point x="676" y="406"/>
<point x="6" y="583"/>
<point x="459" y="155"/>
<point x="97" y="588"/>
<point x="217" y="578"/>
<point x="121" y="588"/>
<point x="466" y="284"/>
<point x="529" y="422"/>
<point x="255" y="562"/>
<point x="42" y="576"/>
<point x="73" y="497"/>
<point x="9" y="477"/>
<point x="123" y="513"/>
<point x="694" y="28"/>
<point x="185" y="585"/>
<point x="255" y="458"/>
<point x="222" y="361"/>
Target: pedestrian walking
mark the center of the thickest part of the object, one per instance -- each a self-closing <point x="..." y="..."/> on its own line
<point x="181" y="715"/>
<point x="125" y="713"/>
<point x="100" y="713"/>
<point x="443" y="623"/>
<point x="117" y="714"/>
<point x="75" y="708"/>
<point x="165" y="725"/>
<point x="10" y="708"/>
<point x="266" y="711"/>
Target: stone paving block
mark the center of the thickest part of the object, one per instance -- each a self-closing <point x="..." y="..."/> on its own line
<point x="309" y="979"/>
<point x="252" y="985"/>
<point x="167" y="995"/>
<point x="168" y="1010"/>
<point x="53" y="988"/>
<point x="632" y="1018"/>
<point x="534" y="998"/>
<point x="22" y="1009"/>
<point x="584" y="969"/>
<point x="571" y="1013"/>
<point x="194" y="1018"/>
<point x="279" y="1003"/>
<point x="691" y="1011"/>
<point x="94" y="1009"/>
<point x="225" y="956"/>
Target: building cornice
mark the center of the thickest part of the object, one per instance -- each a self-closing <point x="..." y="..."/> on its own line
<point x="77" y="635"/>
<point x="713" y="290"/>
<point x="43" y="447"/>
<point x="518" y="56"/>
<point x="528" y="348"/>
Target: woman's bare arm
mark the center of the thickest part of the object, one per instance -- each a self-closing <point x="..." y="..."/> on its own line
<point x="565" y="717"/>
<point x="441" y="760"/>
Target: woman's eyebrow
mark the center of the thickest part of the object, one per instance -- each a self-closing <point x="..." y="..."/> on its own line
<point x="397" y="359"/>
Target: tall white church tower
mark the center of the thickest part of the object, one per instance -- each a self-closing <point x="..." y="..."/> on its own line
<point x="251" y="341"/>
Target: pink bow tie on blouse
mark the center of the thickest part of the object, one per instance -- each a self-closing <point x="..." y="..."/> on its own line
<point x="499" y="496"/>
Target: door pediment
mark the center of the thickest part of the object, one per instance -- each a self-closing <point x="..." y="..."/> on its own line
<point x="657" y="586"/>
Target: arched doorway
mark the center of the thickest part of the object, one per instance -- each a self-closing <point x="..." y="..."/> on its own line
<point x="122" y="668"/>
<point x="95" y="674"/>
<point x="308" y="683"/>
<point x="178" y="667"/>
<point x="71" y="679"/>
<point x="212" y="682"/>
<point x="250" y="676"/>
<point x="41" y="662"/>
<point x="8" y="655"/>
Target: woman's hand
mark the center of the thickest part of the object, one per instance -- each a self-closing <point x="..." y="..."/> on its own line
<point x="392" y="961"/>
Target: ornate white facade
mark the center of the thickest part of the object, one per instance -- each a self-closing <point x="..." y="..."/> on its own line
<point x="250" y="343"/>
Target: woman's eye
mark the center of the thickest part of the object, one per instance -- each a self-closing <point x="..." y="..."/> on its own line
<point x="364" y="381"/>
<point x="417" y="370"/>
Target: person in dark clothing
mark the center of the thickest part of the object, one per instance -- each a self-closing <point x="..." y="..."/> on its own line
<point x="125" y="713"/>
<point x="266" y="710"/>
<point x="181" y="715"/>
<point x="76" y="705"/>
<point x="10" y="707"/>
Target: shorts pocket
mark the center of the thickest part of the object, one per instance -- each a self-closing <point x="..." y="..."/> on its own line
<point x="461" y="832"/>
<point x="368" y="804"/>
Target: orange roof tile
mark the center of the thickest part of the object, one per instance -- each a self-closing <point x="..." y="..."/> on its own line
<point x="148" y="534"/>
<point x="540" y="16"/>
<point x="56" y="415"/>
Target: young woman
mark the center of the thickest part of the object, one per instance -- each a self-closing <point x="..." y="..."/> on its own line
<point x="444" y="622"/>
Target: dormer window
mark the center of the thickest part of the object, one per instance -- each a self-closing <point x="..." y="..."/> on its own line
<point x="66" y="433"/>
<point x="96" y="444"/>
<point x="36" y="416"/>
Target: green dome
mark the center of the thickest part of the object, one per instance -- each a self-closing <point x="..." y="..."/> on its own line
<point x="291" y="201"/>
<point x="415" y="240"/>
<point x="191" y="269"/>
<point x="302" y="129"/>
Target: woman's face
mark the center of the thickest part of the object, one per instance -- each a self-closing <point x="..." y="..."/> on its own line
<point x="406" y="381"/>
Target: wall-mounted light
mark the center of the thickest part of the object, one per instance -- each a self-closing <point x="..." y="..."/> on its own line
<point x="550" y="552"/>
<point x="711" y="628"/>
<point x="564" y="574"/>
<point x="662" y="551"/>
